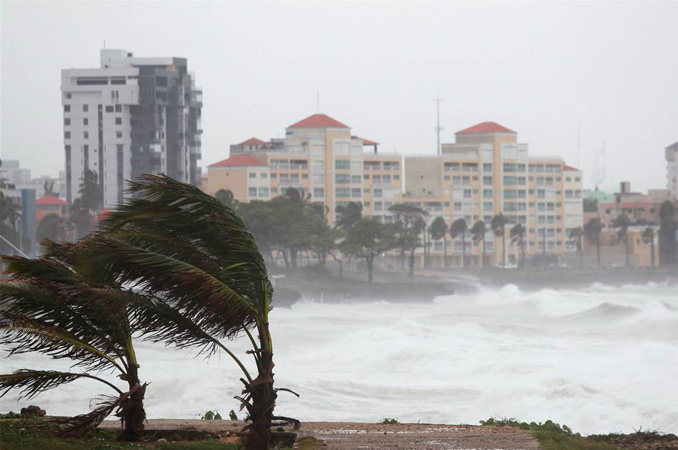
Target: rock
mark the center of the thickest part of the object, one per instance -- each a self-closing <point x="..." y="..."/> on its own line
<point x="33" y="411"/>
<point x="161" y="440"/>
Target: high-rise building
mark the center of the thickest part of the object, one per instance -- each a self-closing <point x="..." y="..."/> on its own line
<point x="129" y="117"/>
<point x="672" y="169"/>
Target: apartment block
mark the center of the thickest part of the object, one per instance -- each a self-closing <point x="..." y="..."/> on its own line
<point x="319" y="156"/>
<point x="129" y="117"/>
<point x="487" y="172"/>
<point x="672" y="170"/>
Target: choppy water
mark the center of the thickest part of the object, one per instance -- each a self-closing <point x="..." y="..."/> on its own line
<point x="601" y="359"/>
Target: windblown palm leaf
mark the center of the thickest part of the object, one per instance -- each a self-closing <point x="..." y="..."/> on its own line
<point x="33" y="382"/>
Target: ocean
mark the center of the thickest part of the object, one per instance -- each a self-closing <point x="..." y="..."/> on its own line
<point x="602" y="359"/>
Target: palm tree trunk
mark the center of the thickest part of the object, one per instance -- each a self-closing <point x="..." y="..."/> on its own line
<point x="463" y="251"/>
<point x="370" y="262"/>
<point x="263" y="398"/>
<point x="133" y="416"/>
<point x="652" y="251"/>
<point x="444" y="252"/>
<point x="598" y="250"/>
<point x="503" y="249"/>
<point x="412" y="262"/>
<point x="483" y="262"/>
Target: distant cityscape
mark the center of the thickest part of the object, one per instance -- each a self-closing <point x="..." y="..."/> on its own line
<point x="136" y="115"/>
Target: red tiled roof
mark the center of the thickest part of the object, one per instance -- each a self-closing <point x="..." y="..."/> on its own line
<point x="570" y="168"/>
<point x="318" y="121"/>
<point x="368" y="142"/>
<point x="238" y="160"/>
<point x="486" y="127"/>
<point x="50" y="200"/>
<point x="253" y="141"/>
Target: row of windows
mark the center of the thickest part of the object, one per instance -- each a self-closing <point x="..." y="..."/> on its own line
<point x="262" y="192"/>
<point x="85" y="108"/>
<point x="85" y="121"/>
<point x="85" y="134"/>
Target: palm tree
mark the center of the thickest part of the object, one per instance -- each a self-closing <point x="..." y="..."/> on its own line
<point x="576" y="236"/>
<point x="348" y="215"/>
<point x="518" y="238"/>
<point x="438" y="231"/>
<point x="457" y="229"/>
<point x="52" y="227"/>
<point x="478" y="231"/>
<point x="499" y="227"/>
<point x="648" y="238"/>
<point x="50" y="307"/>
<point x="622" y="223"/>
<point x="667" y="233"/>
<point x="592" y="231"/>
<point x="409" y="226"/>
<point x="202" y="279"/>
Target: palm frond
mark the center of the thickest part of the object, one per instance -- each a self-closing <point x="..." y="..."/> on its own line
<point x="33" y="382"/>
<point x="77" y="426"/>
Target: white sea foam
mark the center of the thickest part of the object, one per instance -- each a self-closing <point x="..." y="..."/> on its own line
<point x="600" y="359"/>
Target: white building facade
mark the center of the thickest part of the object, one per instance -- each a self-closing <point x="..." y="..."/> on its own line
<point x="672" y="170"/>
<point x="129" y="117"/>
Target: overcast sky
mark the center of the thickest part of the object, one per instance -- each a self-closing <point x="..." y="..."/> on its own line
<point x="537" y="68"/>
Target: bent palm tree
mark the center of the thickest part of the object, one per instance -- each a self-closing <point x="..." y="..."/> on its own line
<point x="648" y="238"/>
<point x="518" y="238"/>
<point x="592" y="230"/>
<point x="50" y="308"/>
<point x="498" y="225"/>
<point x="458" y="228"/>
<point x="622" y="223"/>
<point x="200" y="274"/>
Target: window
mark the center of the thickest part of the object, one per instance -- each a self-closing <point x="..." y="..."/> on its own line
<point x="366" y="177"/>
<point x="510" y="167"/>
<point x="568" y="178"/>
<point x="457" y="206"/>
<point x="355" y="179"/>
<point x="487" y="193"/>
<point x="510" y="194"/>
<point x="85" y="108"/>
<point x="378" y="206"/>
<point x="487" y="206"/>
<point x="342" y="164"/>
<point x="510" y="180"/>
<point x="318" y="192"/>
<point x="487" y="167"/>
<point x="252" y="192"/>
<point x="446" y="178"/>
<point x="342" y="178"/>
<point x="386" y="179"/>
<point x="67" y="108"/>
<point x="263" y="175"/>
<point x="577" y="179"/>
<point x="294" y="176"/>
<point x="67" y="122"/>
<point x="109" y="109"/>
<point x="304" y="176"/>
<point x="263" y="192"/>
<point x="367" y="204"/>
<point x="118" y="120"/>
<point x="467" y="193"/>
<point x="466" y="180"/>
<point x="522" y="193"/>
<point x="510" y="207"/>
<point x="356" y="192"/>
<point x="85" y="121"/>
<point x="118" y="134"/>
<point x="376" y="178"/>
<point x="487" y="180"/>
<point x="85" y="134"/>
<point x="343" y="192"/>
<point x="456" y="180"/>
<point x="118" y="108"/>
<point x="396" y="177"/>
<point x="274" y="175"/>
<point x="541" y="193"/>
<point x="377" y="193"/>
<point x="67" y="135"/>
<point x="68" y="96"/>
<point x="521" y="181"/>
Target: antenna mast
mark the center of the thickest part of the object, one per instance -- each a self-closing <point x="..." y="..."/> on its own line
<point x="438" y="127"/>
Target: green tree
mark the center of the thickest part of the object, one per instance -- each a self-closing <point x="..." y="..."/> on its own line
<point x="498" y="226"/>
<point x="51" y="307"/>
<point x="592" y="230"/>
<point x="202" y="277"/>
<point x="622" y="223"/>
<point x="226" y="197"/>
<point x="518" y="238"/>
<point x="478" y="235"/>
<point x="457" y="229"/>
<point x="648" y="238"/>
<point x="367" y="240"/>
<point x="590" y="205"/>
<point x="409" y="226"/>
<point x="52" y="227"/>
<point x="9" y="216"/>
<point x="438" y="232"/>
<point x="576" y="236"/>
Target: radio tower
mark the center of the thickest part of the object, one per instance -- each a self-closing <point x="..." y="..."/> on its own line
<point x="438" y="127"/>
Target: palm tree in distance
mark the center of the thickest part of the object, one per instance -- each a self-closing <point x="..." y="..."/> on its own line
<point x="518" y="238"/>
<point x="622" y="223"/>
<point x="49" y="307"/>
<point x="592" y="230"/>
<point x="499" y="228"/>
<point x="201" y="278"/>
<point x="478" y="232"/>
<point x="648" y="238"/>
<point x="457" y="229"/>
<point x="576" y="236"/>
<point x="438" y="231"/>
<point x="226" y="197"/>
<point x="348" y="216"/>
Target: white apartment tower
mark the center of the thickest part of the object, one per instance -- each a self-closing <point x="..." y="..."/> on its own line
<point x="129" y="117"/>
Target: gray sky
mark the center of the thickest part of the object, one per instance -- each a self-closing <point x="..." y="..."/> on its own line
<point x="537" y="68"/>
